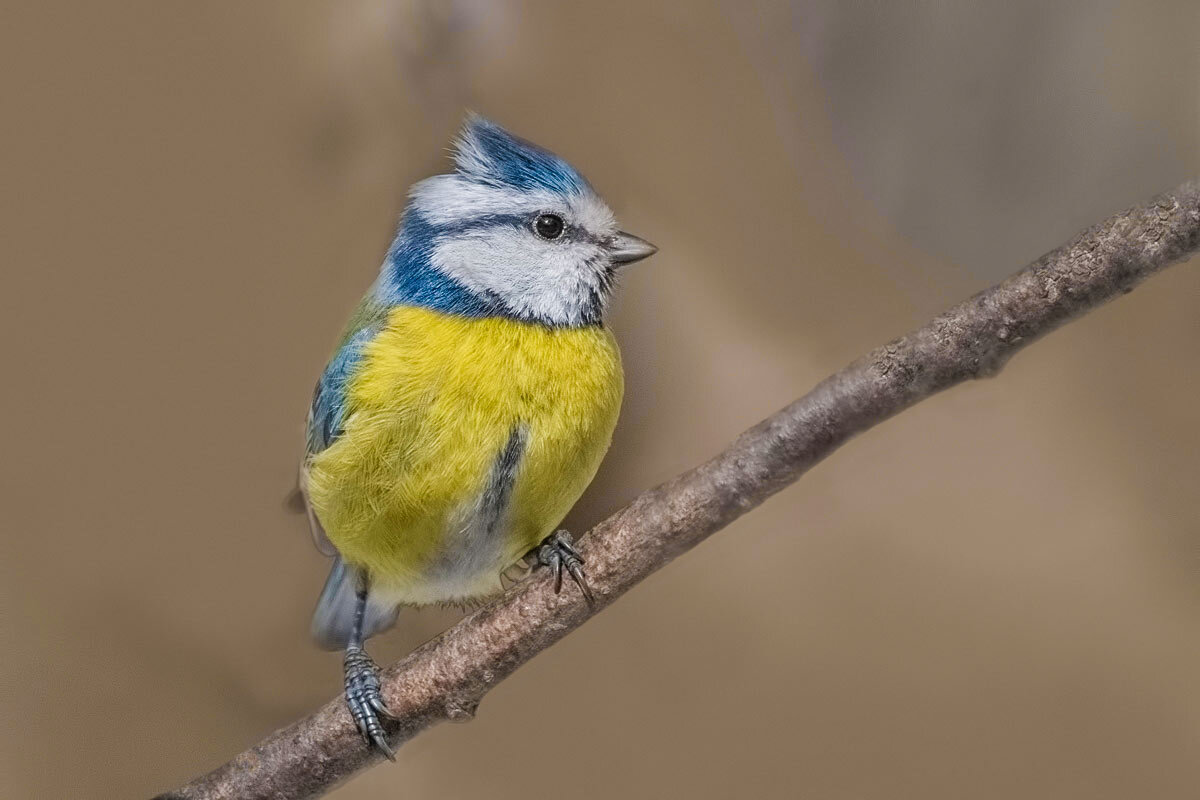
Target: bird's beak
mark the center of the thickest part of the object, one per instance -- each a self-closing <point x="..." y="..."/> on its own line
<point x="625" y="248"/>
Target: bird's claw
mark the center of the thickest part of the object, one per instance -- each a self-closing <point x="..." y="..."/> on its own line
<point x="558" y="553"/>
<point x="364" y="699"/>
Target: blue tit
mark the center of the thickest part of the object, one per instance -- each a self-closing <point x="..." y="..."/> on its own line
<point x="470" y="398"/>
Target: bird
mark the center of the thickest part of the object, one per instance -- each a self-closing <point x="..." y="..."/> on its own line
<point x="469" y="400"/>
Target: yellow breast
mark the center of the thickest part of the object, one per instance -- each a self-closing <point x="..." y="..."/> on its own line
<point x="430" y="410"/>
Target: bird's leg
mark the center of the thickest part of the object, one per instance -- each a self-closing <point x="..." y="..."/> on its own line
<point x="362" y="682"/>
<point x="558" y="553"/>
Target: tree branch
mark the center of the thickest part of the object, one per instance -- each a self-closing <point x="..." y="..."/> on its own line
<point x="446" y="678"/>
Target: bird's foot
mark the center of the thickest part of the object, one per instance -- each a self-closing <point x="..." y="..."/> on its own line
<point x="365" y="700"/>
<point x="558" y="553"/>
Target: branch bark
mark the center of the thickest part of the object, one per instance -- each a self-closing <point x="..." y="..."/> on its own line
<point x="446" y="678"/>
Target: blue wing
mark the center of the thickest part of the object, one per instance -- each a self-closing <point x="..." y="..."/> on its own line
<point x="334" y="617"/>
<point x="328" y="411"/>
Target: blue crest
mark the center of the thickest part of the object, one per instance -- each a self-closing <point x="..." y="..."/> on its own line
<point x="489" y="154"/>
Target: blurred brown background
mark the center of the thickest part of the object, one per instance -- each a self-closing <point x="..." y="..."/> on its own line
<point x="995" y="595"/>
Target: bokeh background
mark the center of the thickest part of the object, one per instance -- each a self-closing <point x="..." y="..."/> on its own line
<point x="995" y="595"/>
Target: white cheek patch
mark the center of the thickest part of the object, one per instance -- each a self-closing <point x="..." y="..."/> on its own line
<point x="560" y="283"/>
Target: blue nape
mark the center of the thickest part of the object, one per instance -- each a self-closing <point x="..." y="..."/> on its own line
<point x="409" y="277"/>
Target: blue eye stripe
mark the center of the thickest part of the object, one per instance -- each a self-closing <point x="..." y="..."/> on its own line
<point x="482" y="223"/>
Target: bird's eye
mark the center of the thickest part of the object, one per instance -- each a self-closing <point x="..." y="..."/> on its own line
<point x="548" y="226"/>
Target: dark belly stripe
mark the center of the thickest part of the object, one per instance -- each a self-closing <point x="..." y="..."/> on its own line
<point x="472" y="551"/>
<point x="504" y="473"/>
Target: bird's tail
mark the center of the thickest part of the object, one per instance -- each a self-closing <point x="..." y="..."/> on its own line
<point x="333" y="620"/>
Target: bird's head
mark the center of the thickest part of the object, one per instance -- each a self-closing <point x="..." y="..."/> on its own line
<point x="514" y="231"/>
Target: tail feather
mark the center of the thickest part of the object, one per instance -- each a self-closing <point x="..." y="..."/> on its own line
<point x="334" y="618"/>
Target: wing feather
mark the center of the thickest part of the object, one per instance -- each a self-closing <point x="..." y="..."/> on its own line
<point x="331" y="402"/>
